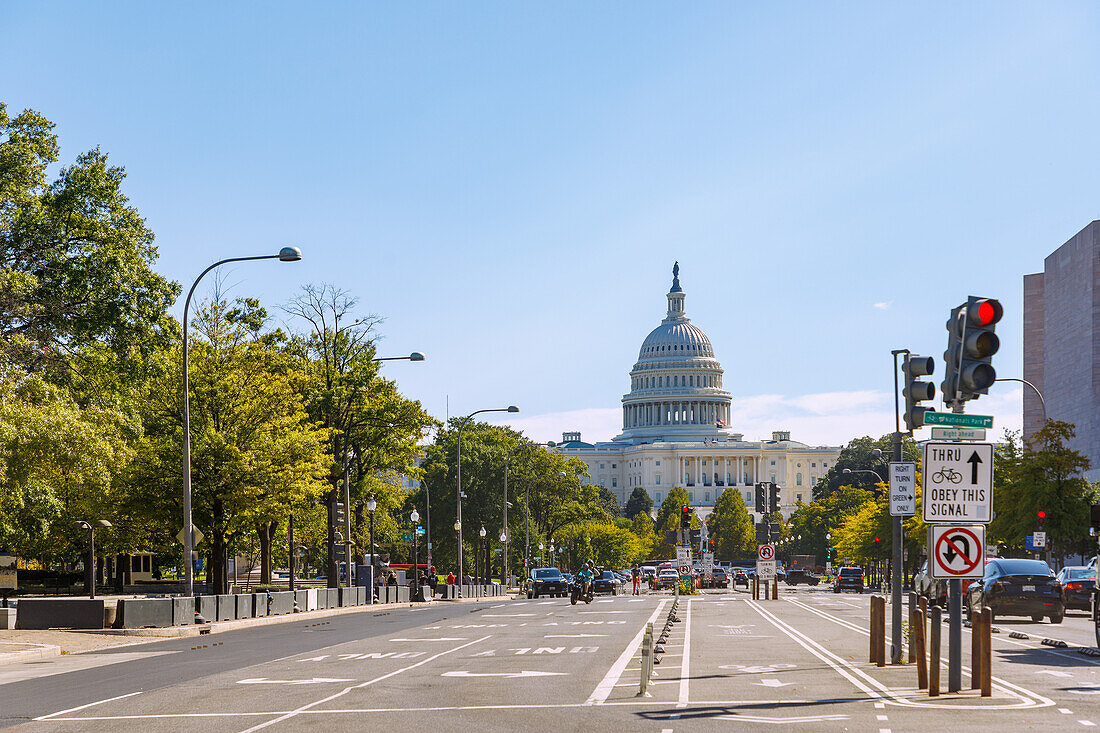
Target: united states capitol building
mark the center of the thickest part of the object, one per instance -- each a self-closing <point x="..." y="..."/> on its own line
<point x="676" y="429"/>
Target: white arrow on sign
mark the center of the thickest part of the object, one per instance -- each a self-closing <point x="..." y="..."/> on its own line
<point x="772" y="683"/>
<point x="266" y="681"/>
<point x="524" y="673"/>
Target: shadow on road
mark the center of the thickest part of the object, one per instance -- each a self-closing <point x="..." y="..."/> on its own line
<point x="713" y="711"/>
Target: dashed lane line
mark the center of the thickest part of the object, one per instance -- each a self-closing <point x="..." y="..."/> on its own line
<point x="684" y="662"/>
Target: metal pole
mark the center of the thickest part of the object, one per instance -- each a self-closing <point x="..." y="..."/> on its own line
<point x="458" y="515"/>
<point x="428" y="523"/>
<point x="954" y="637"/>
<point x="1042" y="402"/>
<point x="290" y="542"/>
<point x="504" y="569"/>
<point x="898" y="531"/>
<point x="416" y="563"/>
<point x="347" y="521"/>
<point x="373" y="564"/>
<point x="527" y="530"/>
<point x="91" y="561"/>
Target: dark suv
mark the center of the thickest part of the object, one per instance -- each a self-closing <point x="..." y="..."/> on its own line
<point x="546" y="582"/>
<point x="849" y="579"/>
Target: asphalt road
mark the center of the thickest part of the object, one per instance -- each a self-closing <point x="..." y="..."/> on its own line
<point x="798" y="661"/>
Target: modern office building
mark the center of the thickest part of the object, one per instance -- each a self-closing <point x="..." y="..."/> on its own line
<point x="675" y="429"/>
<point x="1062" y="341"/>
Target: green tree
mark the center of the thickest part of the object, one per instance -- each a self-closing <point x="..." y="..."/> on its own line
<point x="601" y="542"/>
<point x="858" y="455"/>
<point x="812" y="522"/>
<point x="1043" y="473"/>
<point x="639" y="502"/>
<point x="75" y="258"/>
<point x="642" y="527"/>
<point x="731" y="528"/>
<point x="609" y="503"/>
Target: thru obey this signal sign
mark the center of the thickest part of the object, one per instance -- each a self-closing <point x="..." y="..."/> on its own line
<point x="957" y="552"/>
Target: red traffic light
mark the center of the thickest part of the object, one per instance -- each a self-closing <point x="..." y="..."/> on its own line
<point x="685" y="510"/>
<point x="1042" y="514"/>
<point x="876" y="539"/>
<point x="985" y="312"/>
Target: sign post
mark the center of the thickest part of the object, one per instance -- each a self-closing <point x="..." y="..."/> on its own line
<point x="765" y="563"/>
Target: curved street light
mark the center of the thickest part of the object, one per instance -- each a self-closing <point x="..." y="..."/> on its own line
<point x="458" y="515"/>
<point x="286" y="254"/>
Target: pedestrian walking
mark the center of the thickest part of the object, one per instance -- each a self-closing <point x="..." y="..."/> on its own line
<point x="636" y="576"/>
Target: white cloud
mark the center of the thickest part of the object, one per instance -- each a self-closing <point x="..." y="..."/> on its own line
<point x="884" y="305"/>
<point x="826" y="418"/>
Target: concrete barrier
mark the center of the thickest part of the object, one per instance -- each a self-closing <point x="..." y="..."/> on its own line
<point x="343" y="597"/>
<point x="282" y="602"/>
<point x="244" y="605"/>
<point x="301" y="599"/>
<point x="183" y="611"/>
<point x="59" y="613"/>
<point x="311" y="600"/>
<point x="226" y="608"/>
<point x="143" y="613"/>
<point x="259" y="605"/>
<point x="207" y="606"/>
<point x="7" y="618"/>
<point x="321" y="597"/>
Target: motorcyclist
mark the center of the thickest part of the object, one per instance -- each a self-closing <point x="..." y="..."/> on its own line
<point x="585" y="576"/>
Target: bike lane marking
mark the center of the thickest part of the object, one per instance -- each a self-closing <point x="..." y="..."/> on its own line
<point x="1021" y="693"/>
<point x="607" y="684"/>
<point x="682" y="701"/>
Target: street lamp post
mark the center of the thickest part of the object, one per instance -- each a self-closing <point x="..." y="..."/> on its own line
<point x="371" y="506"/>
<point x="506" y="561"/>
<point x="90" y="569"/>
<point x="286" y="254"/>
<point x="458" y="513"/>
<point x="415" y="517"/>
<point x="503" y="572"/>
<point x="483" y="560"/>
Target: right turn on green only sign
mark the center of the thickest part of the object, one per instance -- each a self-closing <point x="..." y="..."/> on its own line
<point x="958" y="483"/>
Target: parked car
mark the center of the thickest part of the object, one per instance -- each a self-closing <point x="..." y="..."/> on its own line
<point x="740" y="578"/>
<point x="546" y="582"/>
<point x="849" y="578"/>
<point x="1078" y="586"/>
<point x="795" y="577"/>
<point x="1017" y="587"/>
<point x="649" y="572"/>
<point x="1078" y="583"/>
<point x="607" y="582"/>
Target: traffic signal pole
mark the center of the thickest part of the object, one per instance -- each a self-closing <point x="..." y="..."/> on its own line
<point x="895" y="580"/>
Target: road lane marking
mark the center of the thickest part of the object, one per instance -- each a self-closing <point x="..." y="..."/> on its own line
<point x="1002" y="685"/>
<point x="570" y="636"/>
<point x="684" y="676"/>
<point x="346" y="690"/>
<point x="81" y="707"/>
<point x="314" y="681"/>
<point x="1065" y="711"/>
<point x="607" y="684"/>
<point x="438" y="638"/>
<point x="524" y="673"/>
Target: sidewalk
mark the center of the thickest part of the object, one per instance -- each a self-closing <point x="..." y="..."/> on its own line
<point x="22" y="645"/>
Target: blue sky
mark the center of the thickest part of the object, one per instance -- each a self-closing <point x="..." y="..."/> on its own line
<point x="509" y="184"/>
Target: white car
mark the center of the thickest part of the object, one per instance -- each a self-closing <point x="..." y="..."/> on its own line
<point x="666" y="578"/>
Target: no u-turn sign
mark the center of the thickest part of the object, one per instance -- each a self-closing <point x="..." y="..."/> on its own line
<point x="957" y="552"/>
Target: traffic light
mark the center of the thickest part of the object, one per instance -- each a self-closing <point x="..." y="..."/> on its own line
<point x="878" y="544"/>
<point x="685" y="517"/>
<point x="761" y="498"/>
<point x="338" y="514"/>
<point x="710" y="543"/>
<point x="915" y="390"/>
<point x="971" y="344"/>
<point x="773" y="504"/>
<point x="1042" y="519"/>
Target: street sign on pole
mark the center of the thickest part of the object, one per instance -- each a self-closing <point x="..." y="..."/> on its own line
<point x="957" y="552"/>
<point x="952" y="418"/>
<point x="903" y="489"/>
<point x="958" y="483"/>
<point x="958" y="434"/>
<point x="196" y="536"/>
<point x="683" y="556"/>
<point x="1039" y="540"/>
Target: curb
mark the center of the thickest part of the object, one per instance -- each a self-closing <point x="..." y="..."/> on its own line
<point x="215" y="627"/>
<point x="43" y="651"/>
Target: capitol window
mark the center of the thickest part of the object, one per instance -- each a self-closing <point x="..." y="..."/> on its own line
<point x="748" y="496"/>
<point x="614" y="482"/>
<point x="657" y="497"/>
<point x="658" y="463"/>
<point x="658" y="480"/>
<point x="798" y="480"/>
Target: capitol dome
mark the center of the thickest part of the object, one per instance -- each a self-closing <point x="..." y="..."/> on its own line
<point x="676" y="385"/>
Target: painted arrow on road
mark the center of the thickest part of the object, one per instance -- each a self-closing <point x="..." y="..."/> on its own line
<point x="772" y="683"/>
<point x="1054" y="673"/>
<point x="266" y="681"/>
<point x="524" y="673"/>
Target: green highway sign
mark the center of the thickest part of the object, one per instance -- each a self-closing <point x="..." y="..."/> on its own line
<point x="963" y="421"/>
<point x="406" y="538"/>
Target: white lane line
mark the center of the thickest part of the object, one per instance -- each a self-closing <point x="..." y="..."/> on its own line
<point x="683" y="699"/>
<point x="1065" y="711"/>
<point x="1087" y="722"/>
<point x="346" y="690"/>
<point x="1021" y="693"/>
<point x="882" y="717"/>
<point x="880" y="705"/>
<point x="607" y="684"/>
<point x="81" y="707"/>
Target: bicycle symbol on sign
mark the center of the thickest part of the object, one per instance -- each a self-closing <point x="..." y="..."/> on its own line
<point x="945" y="475"/>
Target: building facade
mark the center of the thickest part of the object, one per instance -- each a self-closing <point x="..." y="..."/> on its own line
<point x="1062" y="342"/>
<point x="675" y="429"/>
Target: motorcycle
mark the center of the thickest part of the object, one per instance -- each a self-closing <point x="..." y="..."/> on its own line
<point x="577" y="593"/>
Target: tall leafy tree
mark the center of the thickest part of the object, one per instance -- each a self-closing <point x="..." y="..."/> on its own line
<point x="730" y="526"/>
<point x="639" y="502"/>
